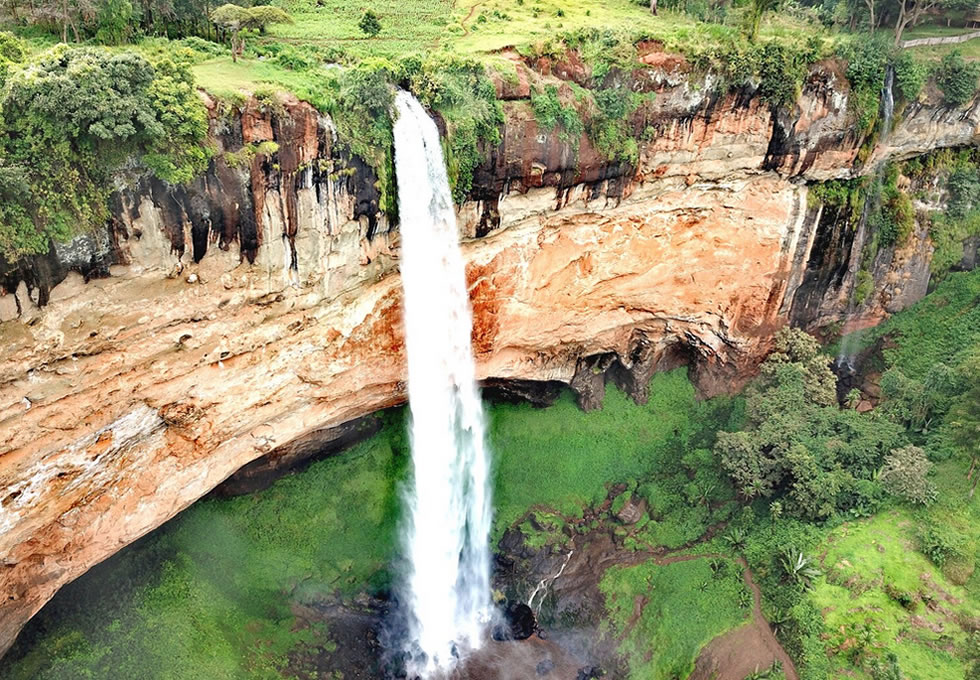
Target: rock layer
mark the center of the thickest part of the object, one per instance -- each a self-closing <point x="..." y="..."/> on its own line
<point x="250" y="314"/>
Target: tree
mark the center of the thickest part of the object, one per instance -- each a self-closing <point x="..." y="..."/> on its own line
<point x="872" y="23"/>
<point x="69" y="14"/>
<point x="370" y="23"/>
<point x="799" y="445"/>
<point x="236" y="20"/>
<point x="909" y="13"/>
<point x="957" y="78"/>
<point x="69" y="119"/>
<point x="653" y="7"/>
<point x="904" y="475"/>
<point x="113" y="18"/>
<point x="757" y="9"/>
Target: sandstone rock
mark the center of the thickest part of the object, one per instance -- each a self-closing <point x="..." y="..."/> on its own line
<point x="145" y="393"/>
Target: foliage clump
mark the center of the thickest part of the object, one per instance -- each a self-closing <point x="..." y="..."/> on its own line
<point x="799" y="447"/>
<point x="904" y="474"/>
<point x="369" y="24"/>
<point x="74" y="115"/>
<point x="552" y="113"/>
<point x="957" y="78"/>
<point x="462" y="93"/>
<point x="237" y="20"/>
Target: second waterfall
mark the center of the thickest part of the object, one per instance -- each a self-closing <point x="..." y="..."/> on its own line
<point x="447" y="589"/>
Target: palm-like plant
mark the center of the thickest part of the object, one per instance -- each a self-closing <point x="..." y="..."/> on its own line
<point x="798" y="568"/>
<point x="736" y="538"/>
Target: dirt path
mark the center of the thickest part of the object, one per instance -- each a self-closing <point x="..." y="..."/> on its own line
<point x="749" y="648"/>
<point x="469" y="16"/>
<point x="739" y="652"/>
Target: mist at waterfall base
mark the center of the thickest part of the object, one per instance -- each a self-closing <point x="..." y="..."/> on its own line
<point x="445" y="592"/>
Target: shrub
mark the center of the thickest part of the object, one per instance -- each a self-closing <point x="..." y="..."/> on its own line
<point x="74" y="116"/>
<point x="12" y="51"/>
<point x="957" y="78"/>
<point x="609" y="127"/>
<point x="864" y="286"/>
<point x="551" y="113"/>
<point x="940" y="543"/>
<point x="910" y="75"/>
<point x="464" y="96"/>
<point x="904" y="474"/>
<point x="370" y="24"/>
<point x="963" y="186"/>
<point x="783" y="69"/>
<point x="799" y="445"/>
<point x="867" y="60"/>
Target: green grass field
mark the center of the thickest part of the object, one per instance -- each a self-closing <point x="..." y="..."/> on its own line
<point x="881" y="593"/>
<point x="683" y="607"/>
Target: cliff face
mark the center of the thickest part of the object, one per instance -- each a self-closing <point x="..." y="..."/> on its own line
<point x="255" y="315"/>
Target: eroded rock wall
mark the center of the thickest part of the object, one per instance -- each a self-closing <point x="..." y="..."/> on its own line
<point x="253" y="312"/>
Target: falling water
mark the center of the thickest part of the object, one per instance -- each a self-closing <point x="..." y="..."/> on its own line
<point x="851" y="342"/>
<point x="449" y="513"/>
<point x="887" y="103"/>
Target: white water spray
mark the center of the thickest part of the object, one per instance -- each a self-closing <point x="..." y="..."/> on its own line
<point x="448" y="585"/>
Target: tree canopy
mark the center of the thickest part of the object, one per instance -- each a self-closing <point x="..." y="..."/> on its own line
<point x="235" y="19"/>
<point x="799" y="445"/>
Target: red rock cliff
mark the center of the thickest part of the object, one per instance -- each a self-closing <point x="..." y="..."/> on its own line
<point x="246" y="315"/>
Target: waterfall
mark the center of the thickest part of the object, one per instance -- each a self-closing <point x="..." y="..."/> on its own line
<point x="887" y="104"/>
<point x="851" y="342"/>
<point x="447" y="589"/>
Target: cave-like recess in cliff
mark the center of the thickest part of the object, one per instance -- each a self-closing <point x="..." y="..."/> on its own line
<point x="238" y="587"/>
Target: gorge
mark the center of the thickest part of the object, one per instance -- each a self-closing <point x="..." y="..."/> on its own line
<point x="219" y="334"/>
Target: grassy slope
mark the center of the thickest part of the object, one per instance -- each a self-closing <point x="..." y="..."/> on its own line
<point x="868" y="564"/>
<point x="591" y="448"/>
<point x="689" y="604"/>
<point x="866" y="559"/>
<point x="471" y="27"/>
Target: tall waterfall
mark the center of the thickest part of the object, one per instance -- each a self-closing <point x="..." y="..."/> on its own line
<point x="449" y="509"/>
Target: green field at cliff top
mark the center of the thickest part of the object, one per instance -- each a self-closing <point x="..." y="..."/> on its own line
<point x="480" y="29"/>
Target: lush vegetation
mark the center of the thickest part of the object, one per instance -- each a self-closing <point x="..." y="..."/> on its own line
<point x="692" y="602"/>
<point x="345" y="59"/>
<point x="69" y="117"/>
<point x="799" y="447"/>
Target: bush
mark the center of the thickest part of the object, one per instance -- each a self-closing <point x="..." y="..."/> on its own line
<point x="910" y="75"/>
<point x="867" y="60"/>
<point x="904" y="475"/>
<point x="360" y="106"/>
<point x="370" y="24"/>
<point x="957" y="78"/>
<point x="799" y="446"/>
<point x="551" y="113"/>
<point x="74" y="116"/>
<point x="963" y="186"/>
<point x="940" y="544"/>
<point x="783" y="69"/>
<point x="459" y="89"/>
<point x="12" y="51"/>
